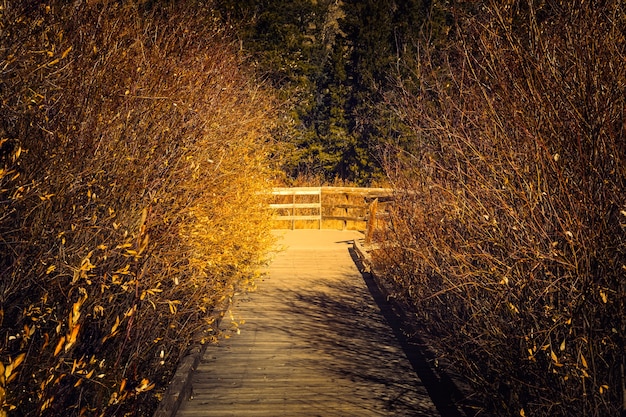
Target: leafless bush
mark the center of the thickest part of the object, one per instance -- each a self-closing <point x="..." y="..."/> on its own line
<point x="133" y="156"/>
<point x="508" y="236"/>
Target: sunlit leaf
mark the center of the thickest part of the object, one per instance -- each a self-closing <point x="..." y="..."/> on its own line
<point x="71" y="339"/>
<point x="123" y="385"/>
<point x="8" y="369"/>
<point x="18" y="360"/>
<point x="554" y="357"/>
<point x="116" y="325"/>
<point x="66" y="52"/>
<point x="47" y="403"/>
<point x="145" y="385"/>
<point x="172" y="305"/>
<point x="57" y="350"/>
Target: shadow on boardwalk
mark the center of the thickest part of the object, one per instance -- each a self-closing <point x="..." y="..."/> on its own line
<point x="313" y="342"/>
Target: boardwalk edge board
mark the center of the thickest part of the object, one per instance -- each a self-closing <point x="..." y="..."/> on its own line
<point x="453" y="395"/>
<point x="180" y="388"/>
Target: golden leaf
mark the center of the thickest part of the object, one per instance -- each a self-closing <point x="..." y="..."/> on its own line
<point x="47" y="403"/>
<point x="124" y="271"/>
<point x="553" y="356"/>
<point x="172" y="305"/>
<point x="75" y="313"/>
<point x="12" y="377"/>
<point x="116" y="325"/>
<point x="145" y="385"/>
<point x="67" y="51"/>
<point x="562" y="347"/>
<point x="130" y="311"/>
<point x="583" y="360"/>
<point x="18" y="360"/>
<point x="57" y="350"/>
<point x="604" y="297"/>
<point x="142" y="222"/>
<point x="8" y="370"/>
<point x="144" y="244"/>
<point x="71" y="339"/>
<point x="522" y="413"/>
<point x="46" y="340"/>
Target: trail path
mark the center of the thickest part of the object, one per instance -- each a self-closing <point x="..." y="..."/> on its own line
<point x="313" y="342"/>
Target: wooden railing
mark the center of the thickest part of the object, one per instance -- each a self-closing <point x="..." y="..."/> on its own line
<point x="300" y="205"/>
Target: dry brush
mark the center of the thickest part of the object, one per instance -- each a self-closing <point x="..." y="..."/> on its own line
<point x="133" y="151"/>
<point x="510" y="246"/>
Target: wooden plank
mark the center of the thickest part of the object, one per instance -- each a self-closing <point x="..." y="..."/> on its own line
<point x="297" y="191"/>
<point x="310" y="341"/>
<point x="347" y="206"/>
<point x="285" y="218"/>
<point x="345" y="218"/>
<point x="357" y="190"/>
<point x="296" y="206"/>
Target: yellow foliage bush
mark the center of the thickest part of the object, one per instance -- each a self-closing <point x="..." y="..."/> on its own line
<point x="133" y="160"/>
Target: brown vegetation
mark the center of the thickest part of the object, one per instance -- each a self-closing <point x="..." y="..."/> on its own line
<point x="509" y="245"/>
<point x="132" y="156"/>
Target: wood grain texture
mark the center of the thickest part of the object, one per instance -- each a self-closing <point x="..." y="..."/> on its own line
<point x="313" y="342"/>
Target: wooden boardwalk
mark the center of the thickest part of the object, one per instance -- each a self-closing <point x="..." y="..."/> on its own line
<point x="313" y="342"/>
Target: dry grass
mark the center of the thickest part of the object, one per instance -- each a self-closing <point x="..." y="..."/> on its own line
<point x="132" y="159"/>
<point x="511" y="250"/>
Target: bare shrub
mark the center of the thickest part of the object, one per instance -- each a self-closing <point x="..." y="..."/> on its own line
<point x="133" y="155"/>
<point x="507" y="241"/>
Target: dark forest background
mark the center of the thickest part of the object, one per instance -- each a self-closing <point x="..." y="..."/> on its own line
<point x="336" y="64"/>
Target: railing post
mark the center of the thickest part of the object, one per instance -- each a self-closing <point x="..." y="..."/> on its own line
<point x="371" y="222"/>
<point x="293" y="211"/>
<point x="344" y="223"/>
<point x="319" y="199"/>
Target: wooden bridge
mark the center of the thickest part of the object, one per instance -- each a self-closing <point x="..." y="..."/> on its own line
<point x="311" y="340"/>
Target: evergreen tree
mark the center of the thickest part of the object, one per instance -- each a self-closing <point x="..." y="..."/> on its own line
<point x="334" y="63"/>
